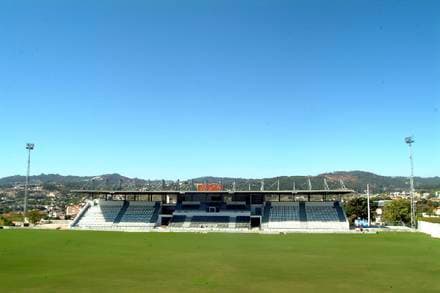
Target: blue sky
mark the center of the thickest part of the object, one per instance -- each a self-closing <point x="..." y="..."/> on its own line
<point x="179" y="89"/>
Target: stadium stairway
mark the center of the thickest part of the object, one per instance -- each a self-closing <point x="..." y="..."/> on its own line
<point x="155" y="216"/>
<point x="302" y="212"/>
<point x="341" y="214"/>
<point x="266" y="212"/>
<point x="81" y="213"/>
<point x="122" y="212"/>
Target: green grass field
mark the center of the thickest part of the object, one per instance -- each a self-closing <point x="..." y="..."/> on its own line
<point x="74" y="261"/>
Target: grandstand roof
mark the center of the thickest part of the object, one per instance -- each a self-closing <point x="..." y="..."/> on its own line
<point x="158" y="192"/>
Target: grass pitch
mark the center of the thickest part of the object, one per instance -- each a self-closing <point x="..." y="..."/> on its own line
<point x="75" y="261"/>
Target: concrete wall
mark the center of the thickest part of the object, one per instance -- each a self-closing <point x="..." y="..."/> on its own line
<point x="429" y="228"/>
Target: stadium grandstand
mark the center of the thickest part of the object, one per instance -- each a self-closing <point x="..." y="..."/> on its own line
<point x="213" y="210"/>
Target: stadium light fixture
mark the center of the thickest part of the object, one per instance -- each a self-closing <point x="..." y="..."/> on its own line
<point x="409" y="141"/>
<point x="29" y="147"/>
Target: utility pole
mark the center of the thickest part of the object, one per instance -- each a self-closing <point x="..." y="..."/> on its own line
<point x="410" y="140"/>
<point x="29" y="147"/>
<point x="368" y="205"/>
<point x="278" y="184"/>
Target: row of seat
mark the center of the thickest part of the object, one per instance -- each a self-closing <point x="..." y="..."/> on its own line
<point x="291" y="212"/>
<point x="119" y="214"/>
<point x="304" y="215"/>
<point x="276" y="215"/>
<point x="284" y="213"/>
<point x="210" y="222"/>
<point x="321" y="213"/>
<point x="140" y="215"/>
<point x="99" y="216"/>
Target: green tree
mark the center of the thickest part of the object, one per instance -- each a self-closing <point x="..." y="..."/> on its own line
<point x="35" y="216"/>
<point x="425" y="206"/>
<point x="50" y="187"/>
<point x="358" y="208"/>
<point x="397" y="212"/>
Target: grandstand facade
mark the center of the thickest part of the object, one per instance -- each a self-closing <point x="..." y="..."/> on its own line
<point x="225" y="211"/>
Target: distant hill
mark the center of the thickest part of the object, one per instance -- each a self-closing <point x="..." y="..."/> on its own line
<point x="92" y="182"/>
<point x="356" y="180"/>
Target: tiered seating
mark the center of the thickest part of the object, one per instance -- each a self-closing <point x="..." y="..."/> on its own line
<point x="321" y="213"/>
<point x="324" y="215"/>
<point x="210" y="215"/>
<point x="101" y="215"/>
<point x="143" y="215"/>
<point x="140" y="214"/>
<point x="119" y="215"/>
<point x="209" y="222"/>
<point x="304" y="216"/>
<point x="283" y="213"/>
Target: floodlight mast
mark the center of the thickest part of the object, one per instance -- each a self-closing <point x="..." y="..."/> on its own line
<point x="29" y="147"/>
<point x="368" y="205"/>
<point x="409" y="141"/>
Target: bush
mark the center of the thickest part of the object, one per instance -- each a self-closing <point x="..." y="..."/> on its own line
<point x="35" y="216"/>
<point x="5" y="222"/>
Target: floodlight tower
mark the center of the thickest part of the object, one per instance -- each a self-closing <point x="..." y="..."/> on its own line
<point x="29" y="147"/>
<point x="326" y="184"/>
<point x="368" y="205"/>
<point x="409" y="141"/>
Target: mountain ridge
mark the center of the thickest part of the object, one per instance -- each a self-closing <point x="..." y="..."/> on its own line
<point x="356" y="180"/>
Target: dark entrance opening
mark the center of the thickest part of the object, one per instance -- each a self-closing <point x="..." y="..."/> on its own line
<point x="165" y="221"/>
<point x="255" y="222"/>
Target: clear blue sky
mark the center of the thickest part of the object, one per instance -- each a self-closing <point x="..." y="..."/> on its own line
<point x="178" y="89"/>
